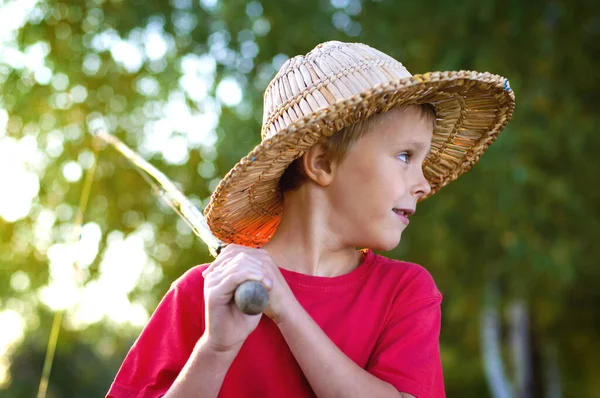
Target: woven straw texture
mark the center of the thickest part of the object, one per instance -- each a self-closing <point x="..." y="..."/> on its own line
<point x="338" y="84"/>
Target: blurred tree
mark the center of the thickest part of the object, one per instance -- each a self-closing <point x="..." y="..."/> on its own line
<point x="182" y="81"/>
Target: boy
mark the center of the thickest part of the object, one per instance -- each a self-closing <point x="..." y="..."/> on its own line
<point x="351" y="142"/>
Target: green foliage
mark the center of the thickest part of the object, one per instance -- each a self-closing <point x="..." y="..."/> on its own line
<point x="524" y="217"/>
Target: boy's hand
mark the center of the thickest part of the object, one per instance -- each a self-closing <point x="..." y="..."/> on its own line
<point x="281" y="297"/>
<point x="226" y="325"/>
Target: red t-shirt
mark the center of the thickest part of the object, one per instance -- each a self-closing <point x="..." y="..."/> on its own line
<point x="384" y="315"/>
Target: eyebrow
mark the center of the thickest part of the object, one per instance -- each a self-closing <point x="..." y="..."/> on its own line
<point x="420" y="146"/>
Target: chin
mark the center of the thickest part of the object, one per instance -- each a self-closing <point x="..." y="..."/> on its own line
<point x="384" y="243"/>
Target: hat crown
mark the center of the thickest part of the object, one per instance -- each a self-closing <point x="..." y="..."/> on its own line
<point x="332" y="72"/>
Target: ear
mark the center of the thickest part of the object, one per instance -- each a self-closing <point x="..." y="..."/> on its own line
<point x="317" y="166"/>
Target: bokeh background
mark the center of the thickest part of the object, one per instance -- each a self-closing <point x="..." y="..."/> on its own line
<point x="512" y="244"/>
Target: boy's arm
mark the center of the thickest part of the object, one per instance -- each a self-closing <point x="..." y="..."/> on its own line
<point x="184" y="351"/>
<point x="329" y="371"/>
<point x="226" y="327"/>
<point x="204" y="372"/>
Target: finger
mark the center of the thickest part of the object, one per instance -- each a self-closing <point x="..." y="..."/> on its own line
<point x="230" y="258"/>
<point x="229" y="252"/>
<point x="265" y="263"/>
<point x="243" y="249"/>
<point x="236" y="266"/>
<point x="233" y="248"/>
<point x="222" y="258"/>
<point x="227" y="285"/>
<point x="264" y="257"/>
<point x="260" y="254"/>
<point x="255" y="251"/>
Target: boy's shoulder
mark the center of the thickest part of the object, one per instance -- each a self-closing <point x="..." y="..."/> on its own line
<point x="410" y="279"/>
<point x="192" y="279"/>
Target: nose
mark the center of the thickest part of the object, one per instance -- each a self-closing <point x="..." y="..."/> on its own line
<point x="421" y="186"/>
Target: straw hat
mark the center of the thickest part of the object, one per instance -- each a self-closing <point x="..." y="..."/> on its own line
<point x="333" y="86"/>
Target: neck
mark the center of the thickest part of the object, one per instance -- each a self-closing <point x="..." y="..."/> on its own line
<point x="305" y="241"/>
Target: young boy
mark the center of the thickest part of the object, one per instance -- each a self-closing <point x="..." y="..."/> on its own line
<point x="351" y="142"/>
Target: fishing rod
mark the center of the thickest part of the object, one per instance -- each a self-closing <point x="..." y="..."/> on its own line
<point x="251" y="297"/>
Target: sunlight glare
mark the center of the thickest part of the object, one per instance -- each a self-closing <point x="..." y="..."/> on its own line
<point x="229" y="92"/>
<point x="11" y="331"/>
<point x="155" y="46"/>
<point x="22" y="184"/>
<point x="11" y="334"/>
<point x="3" y="122"/>
<point x="124" y="262"/>
<point x="13" y="15"/>
<point x="127" y="55"/>
<point x="72" y="171"/>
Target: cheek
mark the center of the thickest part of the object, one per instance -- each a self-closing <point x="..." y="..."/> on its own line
<point x="352" y="195"/>
<point x="375" y="186"/>
<point x="390" y="181"/>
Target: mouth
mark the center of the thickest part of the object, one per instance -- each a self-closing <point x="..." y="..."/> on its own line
<point x="404" y="214"/>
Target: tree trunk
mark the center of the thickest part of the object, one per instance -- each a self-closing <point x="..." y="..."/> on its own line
<point x="521" y="348"/>
<point x="500" y="386"/>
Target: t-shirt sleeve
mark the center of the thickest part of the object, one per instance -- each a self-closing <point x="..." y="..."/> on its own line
<point x="166" y="342"/>
<point x="407" y="353"/>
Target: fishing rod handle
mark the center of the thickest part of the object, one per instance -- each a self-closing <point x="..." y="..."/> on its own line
<point x="251" y="297"/>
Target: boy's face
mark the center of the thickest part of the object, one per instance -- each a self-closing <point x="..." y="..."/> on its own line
<point x="379" y="178"/>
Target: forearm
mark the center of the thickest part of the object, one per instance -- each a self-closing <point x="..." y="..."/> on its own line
<point x="328" y="370"/>
<point x="203" y="373"/>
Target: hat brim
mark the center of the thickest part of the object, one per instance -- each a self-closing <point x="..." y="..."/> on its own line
<point x="471" y="109"/>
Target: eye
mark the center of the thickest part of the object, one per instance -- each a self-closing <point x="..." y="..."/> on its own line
<point x="404" y="157"/>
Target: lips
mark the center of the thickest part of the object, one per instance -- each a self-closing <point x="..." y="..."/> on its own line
<point x="404" y="214"/>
